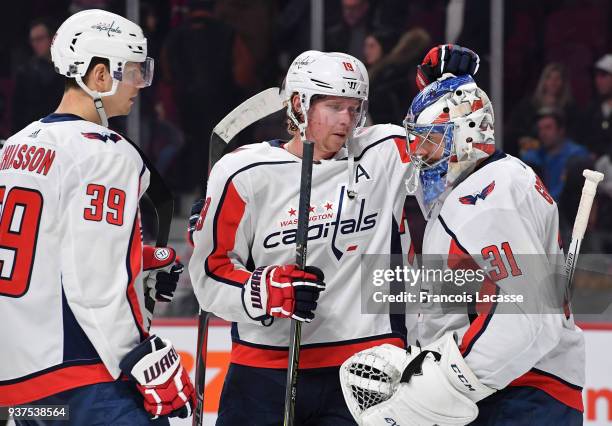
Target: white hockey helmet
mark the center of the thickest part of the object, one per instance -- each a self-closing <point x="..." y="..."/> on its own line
<point x="455" y="113"/>
<point x="328" y="74"/>
<point x="98" y="33"/>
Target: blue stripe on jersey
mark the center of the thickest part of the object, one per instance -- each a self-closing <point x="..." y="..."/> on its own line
<point x="397" y="315"/>
<point x="56" y="118"/>
<point x="234" y="332"/>
<point x="77" y="345"/>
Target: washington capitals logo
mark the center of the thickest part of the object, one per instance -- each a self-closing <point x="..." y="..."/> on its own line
<point x="102" y="136"/>
<point x="471" y="199"/>
<point x="341" y="231"/>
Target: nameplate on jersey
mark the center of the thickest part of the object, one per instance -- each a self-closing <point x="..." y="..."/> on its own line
<point x="27" y="159"/>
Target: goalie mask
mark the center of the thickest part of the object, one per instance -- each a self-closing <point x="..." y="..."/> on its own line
<point x="449" y="128"/>
<point x="98" y="33"/>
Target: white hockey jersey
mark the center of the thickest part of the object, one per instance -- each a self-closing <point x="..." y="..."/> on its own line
<point x="70" y="257"/>
<point x="503" y="217"/>
<point x="251" y="220"/>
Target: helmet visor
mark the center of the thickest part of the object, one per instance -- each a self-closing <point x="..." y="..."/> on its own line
<point x="137" y="74"/>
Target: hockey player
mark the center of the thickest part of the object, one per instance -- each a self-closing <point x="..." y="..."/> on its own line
<point x="242" y="265"/>
<point x="513" y="363"/>
<point x="71" y="255"/>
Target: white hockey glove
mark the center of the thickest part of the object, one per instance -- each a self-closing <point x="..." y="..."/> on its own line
<point x="283" y="291"/>
<point x="387" y="385"/>
<point x="161" y="272"/>
<point x="160" y="377"/>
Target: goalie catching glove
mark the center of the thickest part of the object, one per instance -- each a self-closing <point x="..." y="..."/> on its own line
<point x="160" y="377"/>
<point x="446" y="58"/>
<point x="434" y="386"/>
<point x="283" y="291"/>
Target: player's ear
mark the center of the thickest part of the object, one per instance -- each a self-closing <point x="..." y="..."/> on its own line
<point x="295" y="102"/>
<point x="99" y="78"/>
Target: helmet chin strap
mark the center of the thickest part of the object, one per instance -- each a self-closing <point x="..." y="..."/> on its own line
<point x="97" y="97"/>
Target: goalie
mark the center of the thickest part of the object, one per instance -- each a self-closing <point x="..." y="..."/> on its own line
<point x="510" y="364"/>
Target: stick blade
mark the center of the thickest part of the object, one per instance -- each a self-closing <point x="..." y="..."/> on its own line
<point x="253" y="109"/>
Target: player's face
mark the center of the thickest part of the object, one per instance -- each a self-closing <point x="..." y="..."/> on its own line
<point x="430" y="147"/>
<point x="134" y="77"/>
<point x="330" y="122"/>
<point x="121" y="102"/>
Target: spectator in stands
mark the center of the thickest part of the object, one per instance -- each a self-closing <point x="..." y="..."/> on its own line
<point x="203" y="60"/>
<point x="554" y="150"/>
<point x="38" y="86"/>
<point x="348" y="36"/>
<point x="553" y="92"/>
<point x="392" y="66"/>
<point x="597" y="118"/>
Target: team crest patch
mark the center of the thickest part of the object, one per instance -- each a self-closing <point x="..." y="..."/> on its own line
<point x="161" y="254"/>
<point x="102" y="136"/>
<point x="471" y="199"/>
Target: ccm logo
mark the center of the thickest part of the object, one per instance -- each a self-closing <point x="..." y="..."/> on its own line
<point x="462" y="378"/>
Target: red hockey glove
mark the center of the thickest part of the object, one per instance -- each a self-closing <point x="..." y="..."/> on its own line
<point x="156" y="368"/>
<point x="161" y="269"/>
<point x="283" y="291"/>
<point x="446" y="58"/>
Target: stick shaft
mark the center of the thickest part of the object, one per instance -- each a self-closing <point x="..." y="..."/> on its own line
<point x="589" y="190"/>
<point x="200" y="373"/>
<point x="300" y="259"/>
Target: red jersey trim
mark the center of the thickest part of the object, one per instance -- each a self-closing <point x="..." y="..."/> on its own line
<point x="566" y="393"/>
<point x="317" y="357"/>
<point x="134" y="266"/>
<point x="402" y="148"/>
<point x="218" y="265"/>
<point x="460" y="258"/>
<point x="53" y="382"/>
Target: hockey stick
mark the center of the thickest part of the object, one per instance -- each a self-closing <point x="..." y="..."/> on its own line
<point x="255" y="108"/>
<point x="580" y="223"/>
<point x="300" y="259"/>
<point x="163" y="203"/>
<point x="250" y="111"/>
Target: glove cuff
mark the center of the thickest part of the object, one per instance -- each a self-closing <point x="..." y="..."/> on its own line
<point x="152" y="362"/>
<point x="157" y="257"/>
<point x="459" y="374"/>
<point x="255" y="294"/>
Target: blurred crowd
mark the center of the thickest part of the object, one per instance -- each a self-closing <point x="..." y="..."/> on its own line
<point x="211" y="54"/>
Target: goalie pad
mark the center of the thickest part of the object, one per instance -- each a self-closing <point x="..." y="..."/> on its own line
<point x="387" y="385"/>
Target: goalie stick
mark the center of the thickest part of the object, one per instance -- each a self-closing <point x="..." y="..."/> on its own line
<point x="589" y="189"/>
<point x="250" y="111"/>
